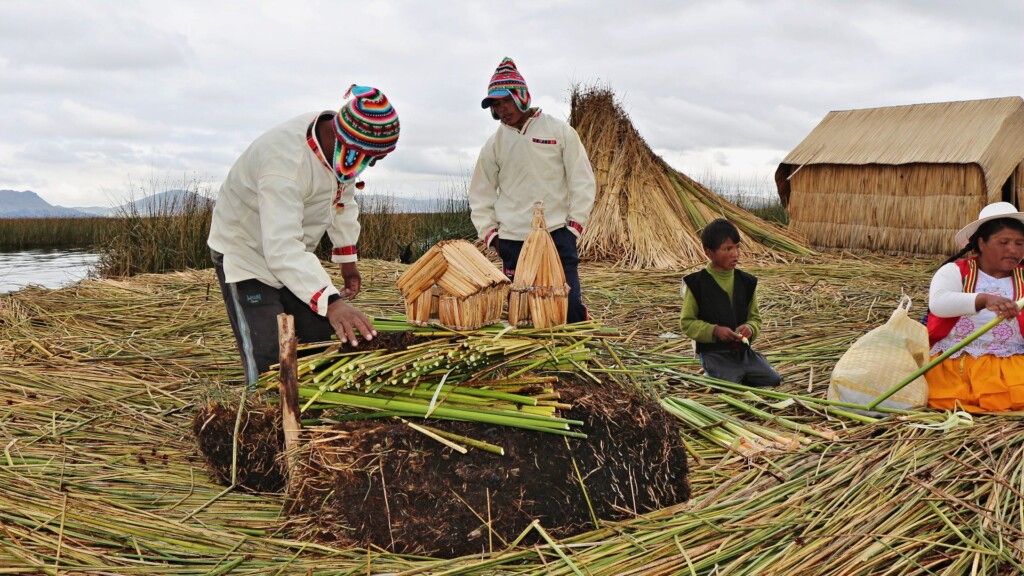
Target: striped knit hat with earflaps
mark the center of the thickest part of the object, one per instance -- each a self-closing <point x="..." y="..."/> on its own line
<point x="365" y="128"/>
<point x="507" y="81"/>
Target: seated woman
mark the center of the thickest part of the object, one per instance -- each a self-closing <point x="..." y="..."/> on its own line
<point x="987" y="374"/>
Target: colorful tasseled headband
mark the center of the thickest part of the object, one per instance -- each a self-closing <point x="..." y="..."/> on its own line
<point x="507" y="81"/>
<point x="365" y="128"/>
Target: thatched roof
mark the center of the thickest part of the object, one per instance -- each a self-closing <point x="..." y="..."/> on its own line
<point x="647" y="214"/>
<point x="989" y="133"/>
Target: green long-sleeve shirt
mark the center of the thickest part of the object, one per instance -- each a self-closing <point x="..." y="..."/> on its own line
<point x="701" y="331"/>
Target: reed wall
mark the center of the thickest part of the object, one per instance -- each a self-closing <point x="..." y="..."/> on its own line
<point x="907" y="209"/>
<point x="1018" y="185"/>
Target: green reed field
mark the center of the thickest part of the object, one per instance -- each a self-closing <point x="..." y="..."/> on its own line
<point x="29" y="233"/>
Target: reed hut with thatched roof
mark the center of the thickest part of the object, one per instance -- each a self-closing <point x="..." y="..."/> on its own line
<point x="455" y="285"/>
<point x="903" y="179"/>
<point x="647" y="214"/>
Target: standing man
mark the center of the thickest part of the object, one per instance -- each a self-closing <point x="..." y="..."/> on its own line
<point x="291" y="185"/>
<point x="531" y="157"/>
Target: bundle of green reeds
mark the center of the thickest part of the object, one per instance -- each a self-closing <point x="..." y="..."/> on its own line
<point x="470" y="378"/>
<point x="746" y="438"/>
<point x="539" y="292"/>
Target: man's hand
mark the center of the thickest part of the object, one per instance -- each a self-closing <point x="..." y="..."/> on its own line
<point x="745" y="331"/>
<point x="353" y="281"/>
<point x="346" y="320"/>
<point x="494" y="244"/>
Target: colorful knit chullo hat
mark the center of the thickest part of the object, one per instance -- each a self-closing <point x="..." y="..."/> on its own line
<point x="507" y="81"/>
<point x="365" y="128"/>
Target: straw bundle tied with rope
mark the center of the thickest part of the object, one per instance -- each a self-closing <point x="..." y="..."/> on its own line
<point x="646" y="214"/>
<point x="540" y="295"/>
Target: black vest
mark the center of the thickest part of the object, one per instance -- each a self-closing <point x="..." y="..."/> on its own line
<point x="713" y="304"/>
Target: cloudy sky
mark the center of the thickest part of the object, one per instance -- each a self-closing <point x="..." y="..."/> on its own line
<point x="104" y="99"/>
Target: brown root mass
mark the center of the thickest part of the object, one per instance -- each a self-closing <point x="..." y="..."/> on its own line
<point x="260" y="438"/>
<point x="383" y="484"/>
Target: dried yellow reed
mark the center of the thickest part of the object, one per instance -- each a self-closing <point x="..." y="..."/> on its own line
<point x="465" y="290"/>
<point x="422" y="274"/>
<point x="539" y="292"/>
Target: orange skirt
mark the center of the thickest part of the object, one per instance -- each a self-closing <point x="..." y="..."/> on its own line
<point x="985" y="384"/>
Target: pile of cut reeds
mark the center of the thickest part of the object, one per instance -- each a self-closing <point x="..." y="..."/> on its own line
<point x="539" y="292"/>
<point x="99" y="474"/>
<point x="497" y="378"/>
<point x="647" y="214"/>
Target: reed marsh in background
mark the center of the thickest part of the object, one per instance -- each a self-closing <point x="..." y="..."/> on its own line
<point x="30" y="233"/>
<point x="390" y="234"/>
<point x="167" y="232"/>
<point x="758" y="196"/>
<point x="161" y="233"/>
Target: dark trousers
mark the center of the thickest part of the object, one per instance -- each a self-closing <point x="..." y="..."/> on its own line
<point x="741" y="365"/>
<point x="565" y="242"/>
<point x="253" y="308"/>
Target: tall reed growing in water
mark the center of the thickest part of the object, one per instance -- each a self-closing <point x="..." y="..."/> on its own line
<point x="388" y="233"/>
<point x="29" y="233"/>
<point x="168" y="232"/>
<point x="160" y="234"/>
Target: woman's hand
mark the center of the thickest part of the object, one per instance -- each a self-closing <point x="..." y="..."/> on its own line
<point x="1000" y="306"/>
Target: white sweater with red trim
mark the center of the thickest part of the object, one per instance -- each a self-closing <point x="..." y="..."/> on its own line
<point x="275" y="205"/>
<point x="544" y="161"/>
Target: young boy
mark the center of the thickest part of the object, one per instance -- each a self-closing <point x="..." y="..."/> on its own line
<point x="720" y="312"/>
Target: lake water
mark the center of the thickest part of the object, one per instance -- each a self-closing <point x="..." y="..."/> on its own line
<point x="48" y="268"/>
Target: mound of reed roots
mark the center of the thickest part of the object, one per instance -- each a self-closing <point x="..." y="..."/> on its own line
<point x="381" y="483"/>
<point x="260" y="439"/>
<point x="647" y="214"/>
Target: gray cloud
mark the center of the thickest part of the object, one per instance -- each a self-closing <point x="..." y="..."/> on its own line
<point x="95" y="92"/>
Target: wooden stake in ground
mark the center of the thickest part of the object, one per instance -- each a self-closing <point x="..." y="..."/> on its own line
<point x="289" y="383"/>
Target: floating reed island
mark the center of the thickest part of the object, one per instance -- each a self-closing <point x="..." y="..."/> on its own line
<point x="101" y="473"/>
<point x="647" y="214"/>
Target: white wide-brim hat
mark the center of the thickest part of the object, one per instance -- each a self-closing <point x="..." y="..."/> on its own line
<point x="991" y="212"/>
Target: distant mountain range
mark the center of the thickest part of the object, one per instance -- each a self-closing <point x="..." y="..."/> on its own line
<point x="28" y="204"/>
